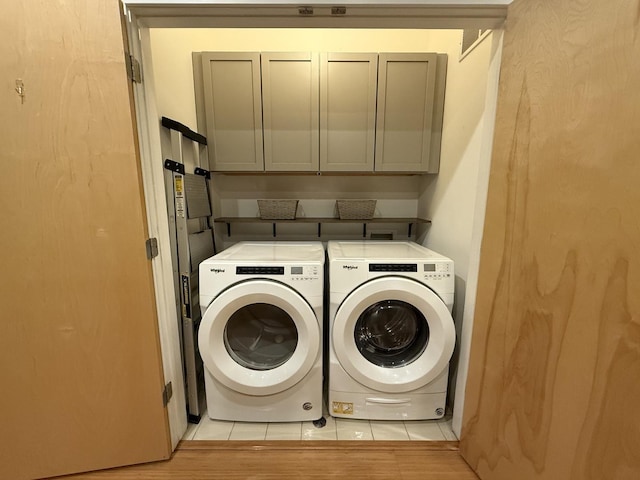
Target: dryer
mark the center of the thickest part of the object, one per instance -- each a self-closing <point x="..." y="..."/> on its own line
<point x="261" y="332"/>
<point x="391" y="332"/>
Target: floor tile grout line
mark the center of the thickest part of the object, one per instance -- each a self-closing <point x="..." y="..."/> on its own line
<point x="406" y="430"/>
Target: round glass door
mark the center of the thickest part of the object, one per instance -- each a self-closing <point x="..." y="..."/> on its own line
<point x="259" y="337"/>
<point x="393" y="334"/>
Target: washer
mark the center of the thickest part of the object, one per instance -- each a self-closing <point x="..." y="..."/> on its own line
<point x="390" y="329"/>
<point x="261" y="332"/>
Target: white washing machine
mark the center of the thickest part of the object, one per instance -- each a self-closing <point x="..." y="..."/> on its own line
<point x="261" y="332"/>
<point x="390" y="329"/>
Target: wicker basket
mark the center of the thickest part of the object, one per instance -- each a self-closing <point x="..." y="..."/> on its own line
<point x="277" y="209"/>
<point x="355" y="209"/>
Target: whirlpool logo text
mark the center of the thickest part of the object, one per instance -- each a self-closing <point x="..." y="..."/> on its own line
<point x="350" y="267"/>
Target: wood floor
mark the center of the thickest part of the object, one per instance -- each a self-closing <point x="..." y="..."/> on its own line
<point x="278" y="460"/>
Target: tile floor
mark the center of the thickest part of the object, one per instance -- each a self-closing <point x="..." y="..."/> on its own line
<point x="335" y="429"/>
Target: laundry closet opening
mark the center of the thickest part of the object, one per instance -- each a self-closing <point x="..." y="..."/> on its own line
<point x="165" y="39"/>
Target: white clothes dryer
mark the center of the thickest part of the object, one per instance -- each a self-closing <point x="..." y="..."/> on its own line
<point x="390" y="329"/>
<point x="261" y="332"/>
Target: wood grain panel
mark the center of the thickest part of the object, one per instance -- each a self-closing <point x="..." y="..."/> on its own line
<point x="302" y="459"/>
<point x="555" y="361"/>
<point x="79" y="354"/>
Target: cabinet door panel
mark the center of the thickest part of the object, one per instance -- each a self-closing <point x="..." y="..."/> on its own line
<point x="290" y="111"/>
<point x="406" y="87"/>
<point x="233" y="110"/>
<point x="347" y="111"/>
<point x="80" y="361"/>
<point x="552" y="390"/>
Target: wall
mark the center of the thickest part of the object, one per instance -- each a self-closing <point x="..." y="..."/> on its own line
<point x="450" y="199"/>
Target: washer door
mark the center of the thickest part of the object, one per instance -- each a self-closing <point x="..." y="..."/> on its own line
<point x="259" y="337"/>
<point x="393" y="334"/>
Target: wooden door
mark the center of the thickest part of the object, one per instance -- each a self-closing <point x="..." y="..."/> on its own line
<point x="348" y="86"/>
<point x="553" y="389"/>
<point x="233" y="110"/>
<point x="290" y="111"/>
<point x="406" y="92"/>
<point x="80" y="363"/>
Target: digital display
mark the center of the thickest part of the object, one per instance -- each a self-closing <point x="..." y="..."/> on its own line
<point x="393" y="267"/>
<point x="260" y="270"/>
<point x="296" y="270"/>
<point x="429" y="267"/>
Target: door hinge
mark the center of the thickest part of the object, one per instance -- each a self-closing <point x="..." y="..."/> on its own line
<point x="133" y="69"/>
<point x="152" y="247"/>
<point x="167" y="393"/>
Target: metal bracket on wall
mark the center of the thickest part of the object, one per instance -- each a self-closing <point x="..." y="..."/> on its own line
<point x="174" y="166"/>
<point x="202" y="172"/>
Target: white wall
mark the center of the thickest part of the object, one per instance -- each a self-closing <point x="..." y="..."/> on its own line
<point x="448" y="199"/>
<point x="454" y="199"/>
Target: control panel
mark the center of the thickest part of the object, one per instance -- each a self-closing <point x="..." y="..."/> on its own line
<point x="305" y="273"/>
<point x="436" y="271"/>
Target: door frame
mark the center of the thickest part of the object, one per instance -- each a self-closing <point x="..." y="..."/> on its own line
<point x="142" y="15"/>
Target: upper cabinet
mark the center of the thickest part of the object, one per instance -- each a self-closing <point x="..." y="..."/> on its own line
<point x="406" y="92"/>
<point x="290" y="111"/>
<point x="348" y="111"/>
<point x="233" y="104"/>
<point x="333" y="112"/>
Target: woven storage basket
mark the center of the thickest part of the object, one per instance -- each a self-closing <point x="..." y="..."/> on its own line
<point x="277" y="209"/>
<point x="355" y="209"/>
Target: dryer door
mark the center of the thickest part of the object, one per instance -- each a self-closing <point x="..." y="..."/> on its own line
<point x="259" y="337"/>
<point x="393" y="334"/>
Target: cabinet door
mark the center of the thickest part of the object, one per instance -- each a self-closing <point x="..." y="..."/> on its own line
<point x="348" y="83"/>
<point x="233" y="110"/>
<point x="80" y="362"/>
<point x="552" y="390"/>
<point x="290" y="111"/>
<point x="406" y="87"/>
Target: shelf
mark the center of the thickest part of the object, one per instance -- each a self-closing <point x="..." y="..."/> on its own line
<point x="321" y="220"/>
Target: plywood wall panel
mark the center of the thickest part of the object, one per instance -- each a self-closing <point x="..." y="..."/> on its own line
<point x="553" y="383"/>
